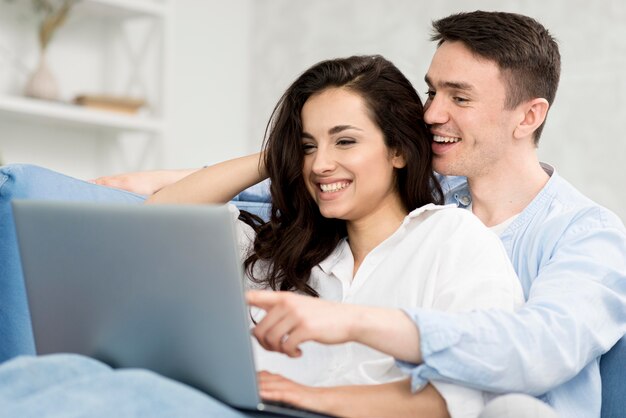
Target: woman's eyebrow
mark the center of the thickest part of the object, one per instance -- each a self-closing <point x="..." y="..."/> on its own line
<point x="332" y="131"/>
<point x="340" y="128"/>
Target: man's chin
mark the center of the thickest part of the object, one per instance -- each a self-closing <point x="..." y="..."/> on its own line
<point x="445" y="170"/>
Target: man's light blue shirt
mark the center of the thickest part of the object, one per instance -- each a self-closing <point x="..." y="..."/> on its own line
<point x="570" y="256"/>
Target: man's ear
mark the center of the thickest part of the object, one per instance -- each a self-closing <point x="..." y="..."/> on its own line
<point x="398" y="160"/>
<point x="533" y="113"/>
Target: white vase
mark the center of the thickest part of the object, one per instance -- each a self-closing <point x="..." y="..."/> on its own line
<point x="42" y="83"/>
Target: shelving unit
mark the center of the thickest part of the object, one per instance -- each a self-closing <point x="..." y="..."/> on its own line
<point x="123" y="8"/>
<point x="40" y="111"/>
<point x="66" y="114"/>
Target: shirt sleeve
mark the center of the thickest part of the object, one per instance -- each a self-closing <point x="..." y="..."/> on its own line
<point x="243" y="233"/>
<point x="576" y="310"/>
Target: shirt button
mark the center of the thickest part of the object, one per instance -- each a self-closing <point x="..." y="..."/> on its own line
<point x="465" y="200"/>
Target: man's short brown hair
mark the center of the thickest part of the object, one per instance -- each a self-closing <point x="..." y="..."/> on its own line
<point x="526" y="53"/>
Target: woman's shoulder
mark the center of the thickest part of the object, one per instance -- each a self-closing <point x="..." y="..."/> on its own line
<point x="446" y="214"/>
<point x="449" y="222"/>
<point x="244" y="233"/>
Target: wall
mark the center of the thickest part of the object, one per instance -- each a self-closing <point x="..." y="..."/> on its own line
<point x="23" y="139"/>
<point x="209" y="83"/>
<point x="583" y="136"/>
<point x="205" y="86"/>
<point x="231" y="60"/>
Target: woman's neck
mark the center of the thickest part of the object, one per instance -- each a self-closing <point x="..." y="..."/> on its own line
<point x="368" y="232"/>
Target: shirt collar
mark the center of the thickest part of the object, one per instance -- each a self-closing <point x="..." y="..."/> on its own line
<point x="329" y="263"/>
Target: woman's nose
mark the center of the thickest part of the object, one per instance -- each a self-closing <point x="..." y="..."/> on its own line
<point x="323" y="161"/>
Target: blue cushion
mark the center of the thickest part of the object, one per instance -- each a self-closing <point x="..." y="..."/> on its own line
<point x="23" y="181"/>
<point x="259" y="193"/>
<point x="613" y="372"/>
<point x="31" y="182"/>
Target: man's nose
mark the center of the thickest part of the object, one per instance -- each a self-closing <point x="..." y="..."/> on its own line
<point x="435" y="111"/>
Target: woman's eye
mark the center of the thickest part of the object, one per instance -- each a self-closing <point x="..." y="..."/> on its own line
<point x="308" y="148"/>
<point x="345" y="141"/>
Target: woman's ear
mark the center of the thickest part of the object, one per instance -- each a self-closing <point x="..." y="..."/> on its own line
<point x="533" y="114"/>
<point x="398" y="160"/>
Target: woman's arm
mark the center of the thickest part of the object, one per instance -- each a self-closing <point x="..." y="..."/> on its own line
<point x="393" y="399"/>
<point x="218" y="183"/>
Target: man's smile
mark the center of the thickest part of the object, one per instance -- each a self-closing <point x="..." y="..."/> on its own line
<point x="446" y="139"/>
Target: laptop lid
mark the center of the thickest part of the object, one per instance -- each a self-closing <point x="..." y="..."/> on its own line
<point x="155" y="287"/>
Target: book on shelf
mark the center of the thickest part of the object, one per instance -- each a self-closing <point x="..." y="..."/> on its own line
<point x="120" y="104"/>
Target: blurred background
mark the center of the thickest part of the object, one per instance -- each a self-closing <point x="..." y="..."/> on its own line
<point x="125" y="85"/>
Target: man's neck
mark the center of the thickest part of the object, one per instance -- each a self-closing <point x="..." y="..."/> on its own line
<point x="506" y="191"/>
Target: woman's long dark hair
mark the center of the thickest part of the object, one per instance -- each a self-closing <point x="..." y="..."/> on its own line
<point x="297" y="237"/>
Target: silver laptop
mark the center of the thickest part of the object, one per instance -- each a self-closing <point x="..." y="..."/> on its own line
<point x="155" y="287"/>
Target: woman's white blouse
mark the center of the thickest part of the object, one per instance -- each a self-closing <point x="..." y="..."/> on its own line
<point x="441" y="257"/>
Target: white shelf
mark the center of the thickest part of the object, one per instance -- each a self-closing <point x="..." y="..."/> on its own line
<point x="67" y="114"/>
<point x="122" y="9"/>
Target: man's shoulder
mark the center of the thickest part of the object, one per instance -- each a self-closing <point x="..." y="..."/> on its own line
<point x="560" y="210"/>
<point x="569" y="202"/>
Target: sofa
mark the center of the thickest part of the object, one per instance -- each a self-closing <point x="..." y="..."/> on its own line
<point x="22" y="181"/>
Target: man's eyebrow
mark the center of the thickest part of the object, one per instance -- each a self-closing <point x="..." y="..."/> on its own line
<point x="457" y="85"/>
<point x="332" y="131"/>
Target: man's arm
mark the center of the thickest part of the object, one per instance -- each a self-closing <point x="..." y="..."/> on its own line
<point x="218" y="183"/>
<point x="144" y="182"/>
<point x="393" y="400"/>
<point x="576" y="310"/>
<point x="292" y="319"/>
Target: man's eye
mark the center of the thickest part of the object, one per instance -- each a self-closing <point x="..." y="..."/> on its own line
<point x="461" y="100"/>
<point x="430" y="94"/>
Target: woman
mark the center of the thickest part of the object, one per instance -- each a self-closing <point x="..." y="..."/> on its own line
<point x="355" y="219"/>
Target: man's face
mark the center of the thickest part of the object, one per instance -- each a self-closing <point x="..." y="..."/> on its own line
<point x="465" y="110"/>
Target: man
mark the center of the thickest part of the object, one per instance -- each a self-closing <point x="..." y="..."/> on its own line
<point x="491" y="83"/>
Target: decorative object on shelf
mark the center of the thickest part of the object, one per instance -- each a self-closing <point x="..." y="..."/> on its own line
<point x="141" y="70"/>
<point x="122" y="104"/>
<point x="42" y="83"/>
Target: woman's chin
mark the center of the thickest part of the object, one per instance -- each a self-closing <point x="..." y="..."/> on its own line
<point x="334" y="213"/>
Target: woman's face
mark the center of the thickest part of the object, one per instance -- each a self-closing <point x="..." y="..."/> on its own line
<point x="348" y="169"/>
